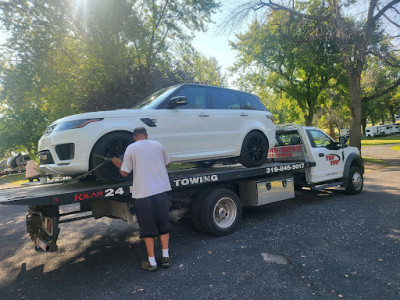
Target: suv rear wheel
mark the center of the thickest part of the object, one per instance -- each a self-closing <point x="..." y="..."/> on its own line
<point x="254" y="150"/>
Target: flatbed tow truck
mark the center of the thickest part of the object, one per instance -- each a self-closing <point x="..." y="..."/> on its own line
<point x="213" y="197"/>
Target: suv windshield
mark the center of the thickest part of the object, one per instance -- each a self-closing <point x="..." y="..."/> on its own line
<point x="156" y="98"/>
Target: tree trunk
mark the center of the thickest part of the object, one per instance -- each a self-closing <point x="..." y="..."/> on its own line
<point x="309" y="118"/>
<point x="332" y="130"/>
<point x="355" y="110"/>
<point x="364" y="124"/>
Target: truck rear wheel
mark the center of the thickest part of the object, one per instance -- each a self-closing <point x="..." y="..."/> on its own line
<point x="356" y="181"/>
<point x="220" y="212"/>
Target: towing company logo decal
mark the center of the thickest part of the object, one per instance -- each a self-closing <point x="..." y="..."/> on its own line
<point x="334" y="159"/>
<point x="195" y="180"/>
<point x="84" y="196"/>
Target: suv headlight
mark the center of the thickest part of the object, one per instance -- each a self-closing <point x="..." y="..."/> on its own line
<point x="74" y="124"/>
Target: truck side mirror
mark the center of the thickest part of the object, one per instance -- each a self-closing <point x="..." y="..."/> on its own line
<point x="333" y="146"/>
<point x="342" y="140"/>
<point x="177" y="101"/>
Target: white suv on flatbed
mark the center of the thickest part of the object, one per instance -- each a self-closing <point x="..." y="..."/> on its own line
<point x="193" y="122"/>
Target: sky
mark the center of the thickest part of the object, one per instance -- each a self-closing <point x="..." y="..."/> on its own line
<point x="215" y="41"/>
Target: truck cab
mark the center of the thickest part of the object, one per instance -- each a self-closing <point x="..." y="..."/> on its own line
<point x="334" y="163"/>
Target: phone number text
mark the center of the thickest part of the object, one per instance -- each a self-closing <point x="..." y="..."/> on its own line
<point x="291" y="167"/>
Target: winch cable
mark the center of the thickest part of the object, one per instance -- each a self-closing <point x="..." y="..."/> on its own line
<point x="105" y="159"/>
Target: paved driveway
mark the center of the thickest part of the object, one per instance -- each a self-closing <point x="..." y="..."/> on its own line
<point x="324" y="245"/>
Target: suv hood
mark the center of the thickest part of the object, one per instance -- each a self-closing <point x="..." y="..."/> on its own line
<point x="118" y="113"/>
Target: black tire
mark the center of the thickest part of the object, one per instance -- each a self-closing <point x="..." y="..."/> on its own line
<point x="205" y="164"/>
<point x="110" y="145"/>
<point x="196" y="208"/>
<point x="355" y="182"/>
<point x="30" y="179"/>
<point x="196" y="213"/>
<point x="254" y="150"/>
<point x="220" y="212"/>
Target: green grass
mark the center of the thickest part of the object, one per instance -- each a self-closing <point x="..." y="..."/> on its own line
<point x="396" y="148"/>
<point x="374" y="160"/>
<point x="384" y="140"/>
<point x="13" y="178"/>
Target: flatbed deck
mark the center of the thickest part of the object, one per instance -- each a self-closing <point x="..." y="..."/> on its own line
<point x="74" y="192"/>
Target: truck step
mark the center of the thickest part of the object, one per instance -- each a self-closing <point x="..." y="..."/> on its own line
<point x="324" y="186"/>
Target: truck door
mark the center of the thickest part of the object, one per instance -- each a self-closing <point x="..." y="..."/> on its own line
<point x="329" y="163"/>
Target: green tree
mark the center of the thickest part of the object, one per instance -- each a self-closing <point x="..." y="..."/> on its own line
<point x="196" y="67"/>
<point x="300" y="70"/>
<point x="375" y="79"/>
<point x="67" y="56"/>
<point x="355" y="38"/>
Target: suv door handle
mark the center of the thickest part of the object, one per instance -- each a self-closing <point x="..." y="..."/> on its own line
<point x="203" y="115"/>
<point x="243" y="115"/>
<point x="321" y="155"/>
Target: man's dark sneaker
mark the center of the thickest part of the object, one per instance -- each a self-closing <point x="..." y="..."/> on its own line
<point x="147" y="266"/>
<point x="165" y="262"/>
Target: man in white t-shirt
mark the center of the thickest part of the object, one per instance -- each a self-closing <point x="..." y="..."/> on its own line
<point x="148" y="160"/>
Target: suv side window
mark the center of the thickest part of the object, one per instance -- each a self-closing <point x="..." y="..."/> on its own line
<point x="318" y="139"/>
<point x="223" y="99"/>
<point x="251" y="102"/>
<point x="197" y="97"/>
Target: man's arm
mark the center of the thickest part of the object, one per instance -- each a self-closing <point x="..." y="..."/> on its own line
<point x="118" y="163"/>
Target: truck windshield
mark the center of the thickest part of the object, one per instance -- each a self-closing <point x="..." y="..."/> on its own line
<point x="155" y="99"/>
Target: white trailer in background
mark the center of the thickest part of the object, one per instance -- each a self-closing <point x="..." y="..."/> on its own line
<point x="384" y="129"/>
<point x="371" y="131"/>
<point x="395" y="128"/>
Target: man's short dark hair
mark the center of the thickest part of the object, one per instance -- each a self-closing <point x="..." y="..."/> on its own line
<point x="139" y="130"/>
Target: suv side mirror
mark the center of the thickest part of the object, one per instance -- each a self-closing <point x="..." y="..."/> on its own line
<point x="177" y="101"/>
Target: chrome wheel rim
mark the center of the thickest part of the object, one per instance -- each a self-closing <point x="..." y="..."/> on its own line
<point x="225" y="212"/>
<point x="357" y="181"/>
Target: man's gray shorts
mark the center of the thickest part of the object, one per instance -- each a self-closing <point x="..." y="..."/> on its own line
<point x="153" y="215"/>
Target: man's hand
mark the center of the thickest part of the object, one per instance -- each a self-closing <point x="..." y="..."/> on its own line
<point x="117" y="162"/>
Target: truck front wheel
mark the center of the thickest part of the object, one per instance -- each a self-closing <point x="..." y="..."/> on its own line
<point x="356" y="181"/>
<point x="221" y="212"/>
